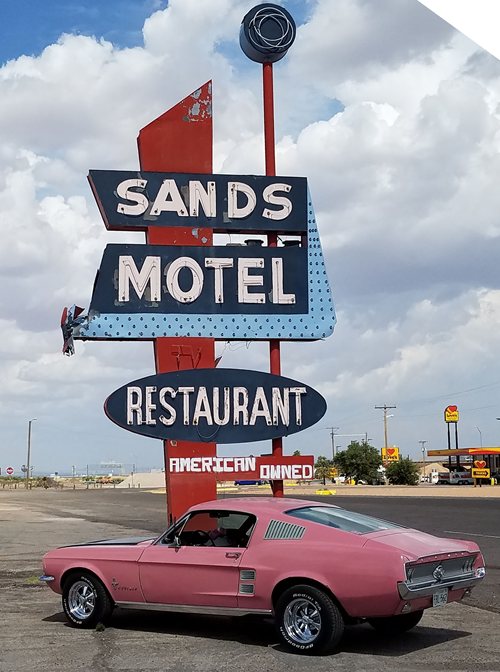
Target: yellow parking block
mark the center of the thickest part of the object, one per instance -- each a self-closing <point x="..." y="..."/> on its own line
<point x="326" y="492"/>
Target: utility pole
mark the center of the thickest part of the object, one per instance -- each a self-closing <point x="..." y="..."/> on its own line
<point x="422" y="444"/>
<point x="28" y="462"/>
<point x="332" y="434"/>
<point x="385" y="408"/>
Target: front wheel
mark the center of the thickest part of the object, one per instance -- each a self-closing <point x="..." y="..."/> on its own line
<point x="85" y="600"/>
<point x="308" y="621"/>
<point x="396" y="625"/>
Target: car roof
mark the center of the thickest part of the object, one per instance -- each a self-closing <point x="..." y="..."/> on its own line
<point x="262" y="505"/>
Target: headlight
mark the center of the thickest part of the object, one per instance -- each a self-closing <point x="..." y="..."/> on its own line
<point x="480" y="572"/>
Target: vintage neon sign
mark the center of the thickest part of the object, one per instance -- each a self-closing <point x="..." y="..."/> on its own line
<point x="238" y="468"/>
<point x="137" y="200"/>
<point x="231" y="405"/>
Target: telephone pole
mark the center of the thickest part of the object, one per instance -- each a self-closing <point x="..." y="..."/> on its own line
<point x="332" y="434"/>
<point x="385" y="408"/>
<point x="422" y="445"/>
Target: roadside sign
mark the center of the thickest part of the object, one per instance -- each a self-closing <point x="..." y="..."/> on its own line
<point x="451" y="414"/>
<point x="390" y="454"/>
<point x="480" y="473"/>
<point x="129" y="200"/>
<point x="9" y="471"/>
<point x="230" y="405"/>
<point x="299" y="467"/>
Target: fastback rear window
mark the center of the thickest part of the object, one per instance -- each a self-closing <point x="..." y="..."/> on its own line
<point x="348" y="521"/>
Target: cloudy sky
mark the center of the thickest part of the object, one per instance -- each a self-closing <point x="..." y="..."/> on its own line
<point x="391" y="114"/>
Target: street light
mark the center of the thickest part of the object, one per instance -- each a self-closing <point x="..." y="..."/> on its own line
<point x="480" y="436"/>
<point x="29" y="453"/>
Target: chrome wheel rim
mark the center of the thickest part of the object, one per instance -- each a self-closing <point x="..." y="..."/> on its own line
<point x="81" y="600"/>
<point x="302" y="621"/>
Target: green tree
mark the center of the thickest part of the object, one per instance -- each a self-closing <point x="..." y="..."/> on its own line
<point x="296" y="453"/>
<point x="323" y="468"/>
<point x="359" y="461"/>
<point x="403" y="472"/>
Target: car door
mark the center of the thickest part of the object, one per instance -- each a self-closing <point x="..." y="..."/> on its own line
<point x="197" y="563"/>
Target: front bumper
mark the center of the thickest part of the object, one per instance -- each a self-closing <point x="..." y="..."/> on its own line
<point x="45" y="578"/>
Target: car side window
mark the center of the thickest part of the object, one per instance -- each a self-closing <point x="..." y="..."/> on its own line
<point x="217" y="528"/>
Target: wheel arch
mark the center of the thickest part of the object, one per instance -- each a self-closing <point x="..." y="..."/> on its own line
<point x="291" y="581"/>
<point x="84" y="570"/>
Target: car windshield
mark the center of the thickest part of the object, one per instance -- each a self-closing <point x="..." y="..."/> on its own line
<point x="348" y="521"/>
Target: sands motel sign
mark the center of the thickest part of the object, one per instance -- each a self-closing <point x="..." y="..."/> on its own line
<point x="182" y="292"/>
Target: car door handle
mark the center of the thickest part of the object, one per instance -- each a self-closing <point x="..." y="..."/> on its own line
<point x="235" y="556"/>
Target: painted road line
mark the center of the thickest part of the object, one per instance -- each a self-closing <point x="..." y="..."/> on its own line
<point x="472" y="534"/>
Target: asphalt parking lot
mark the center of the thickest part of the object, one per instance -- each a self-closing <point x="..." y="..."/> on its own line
<point x="34" y="633"/>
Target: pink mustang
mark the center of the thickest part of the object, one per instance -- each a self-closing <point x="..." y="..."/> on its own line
<point x="313" y="567"/>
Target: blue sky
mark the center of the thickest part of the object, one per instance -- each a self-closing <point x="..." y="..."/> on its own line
<point x="404" y="184"/>
<point x="30" y="25"/>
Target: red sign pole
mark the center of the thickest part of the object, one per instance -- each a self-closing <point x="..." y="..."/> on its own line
<point x="180" y="141"/>
<point x="272" y="238"/>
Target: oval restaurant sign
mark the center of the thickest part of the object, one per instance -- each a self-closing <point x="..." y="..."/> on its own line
<point x="451" y="414"/>
<point x="223" y="405"/>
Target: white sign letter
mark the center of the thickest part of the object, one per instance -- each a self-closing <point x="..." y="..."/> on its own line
<point x="197" y="195"/>
<point x="128" y="274"/>
<point x="298" y="391"/>
<point x="233" y="211"/>
<point x="278" y="294"/>
<point x="134" y="405"/>
<point x="168" y="190"/>
<point x="164" y="404"/>
<point x="172" y="274"/>
<point x="245" y="281"/>
<point x="285" y="202"/>
<point x="218" y="264"/>
<point x="140" y="200"/>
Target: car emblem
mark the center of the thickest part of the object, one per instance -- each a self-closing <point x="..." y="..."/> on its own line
<point x="114" y="584"/>
<point x="438" y="573"/>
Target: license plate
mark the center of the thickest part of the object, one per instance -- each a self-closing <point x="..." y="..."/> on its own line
<point x="440" y="597"/>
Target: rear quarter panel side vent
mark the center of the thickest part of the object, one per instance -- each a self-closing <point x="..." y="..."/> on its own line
<point x="278" y="529"/>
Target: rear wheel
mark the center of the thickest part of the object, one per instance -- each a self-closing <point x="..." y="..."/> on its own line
<point x="308" y="621"/>
<point x="396" y="625"/>
<point x="85" y="600"/>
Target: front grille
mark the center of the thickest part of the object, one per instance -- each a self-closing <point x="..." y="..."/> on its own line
<point x="277" y="529"/>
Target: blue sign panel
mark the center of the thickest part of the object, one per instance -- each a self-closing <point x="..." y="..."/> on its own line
<point x="156" y="279"/>
<point x="237" y="203"/>
<point x="222" y="405"/>
<point x="259" y="321"/>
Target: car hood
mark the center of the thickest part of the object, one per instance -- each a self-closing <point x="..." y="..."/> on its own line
<point x="415" y="544"/>
<point x="122" y="541"/>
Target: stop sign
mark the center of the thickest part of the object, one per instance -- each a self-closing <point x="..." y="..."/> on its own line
<point x="9" y="471"/>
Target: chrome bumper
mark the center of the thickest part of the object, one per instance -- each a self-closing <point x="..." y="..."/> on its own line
<point x="46" y="578"/>
<point x="409" y="592"/>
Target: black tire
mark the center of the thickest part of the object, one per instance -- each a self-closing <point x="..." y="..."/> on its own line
<point x="396" y="625"/>
<point x="324" y="625"/>
<point x="85" y="600"/>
